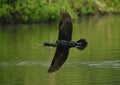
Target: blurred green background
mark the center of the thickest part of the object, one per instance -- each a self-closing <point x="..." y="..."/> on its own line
<point x="27" y="11"/>
<point x="23" y="61"/>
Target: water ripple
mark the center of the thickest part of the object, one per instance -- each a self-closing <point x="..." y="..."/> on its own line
<point x="103" y="64"/>
<point x="24" y="63"/>
<point x="97" y="64"/>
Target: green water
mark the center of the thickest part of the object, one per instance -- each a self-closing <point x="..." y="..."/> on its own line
<point x="23" y="61"/>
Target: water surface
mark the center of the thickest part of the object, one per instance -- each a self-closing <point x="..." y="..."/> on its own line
<point x="23" y="61"/>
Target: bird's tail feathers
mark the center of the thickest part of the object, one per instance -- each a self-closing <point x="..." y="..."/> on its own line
<point x="81" y="44"/>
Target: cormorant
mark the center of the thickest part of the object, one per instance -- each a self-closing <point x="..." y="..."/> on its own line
<point x="64" y="42"/>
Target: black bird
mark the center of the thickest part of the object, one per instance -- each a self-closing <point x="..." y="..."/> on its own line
<point x="65" y="33"/>
<point x="64" y="42"/>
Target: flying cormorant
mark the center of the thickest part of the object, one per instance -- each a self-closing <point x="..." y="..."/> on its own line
<point x="64" y="42"/>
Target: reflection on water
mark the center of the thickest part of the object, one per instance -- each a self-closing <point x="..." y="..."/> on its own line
<point x="24" y="62"/>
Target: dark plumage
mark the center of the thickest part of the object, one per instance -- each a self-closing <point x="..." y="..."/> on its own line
<point x="64" y="42"/>
<point x="65" y="33"/>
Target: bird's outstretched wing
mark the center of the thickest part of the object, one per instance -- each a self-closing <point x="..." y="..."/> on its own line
<point x="65" y="33"/>
<point x="59" y="58"/>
